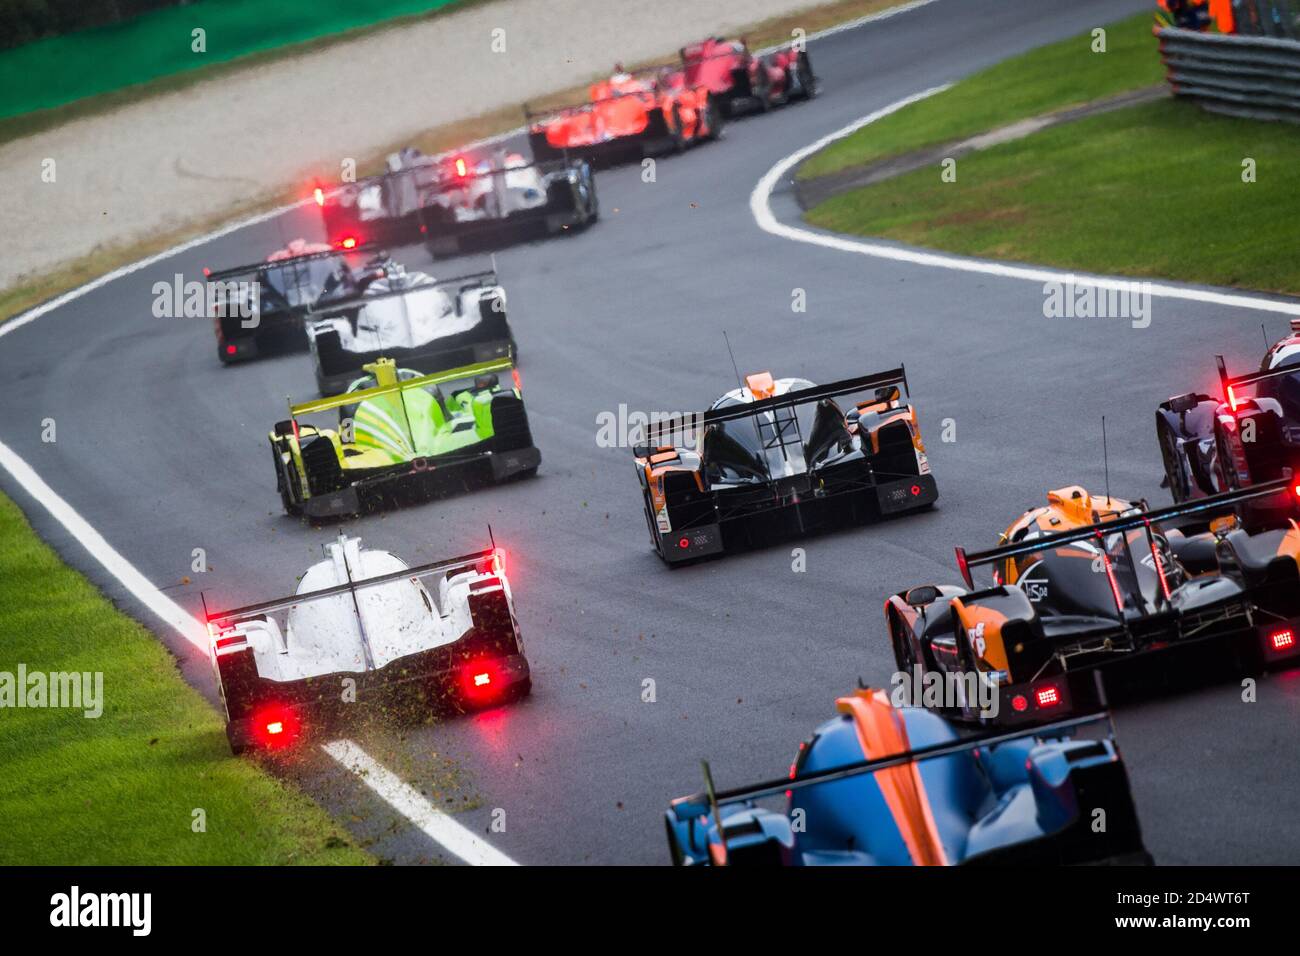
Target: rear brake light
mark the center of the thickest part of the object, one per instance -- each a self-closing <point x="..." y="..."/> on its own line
<point x="1019" y="703"/>
<point x="232" y="349"/>
<point x="276" y="726"/>
<point x="480" y="680"/>
<point x="1047" y="696"/>
<point x="1232" y="398"/>
<point x="460" y="166"/>
<point x="319" y="194"/>
<point x="519" y="387"/>
<point x="684" y="543"/>
<point x="1282" y="640"/>
<point x="348" y="242"/>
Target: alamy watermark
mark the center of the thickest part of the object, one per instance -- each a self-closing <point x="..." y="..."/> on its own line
<point x="71" y="690"/>
<point x="179" y="299"/>
<point x="626" y="428"/>
<point x="949" y="691"/>
<point x="1075" y="299"/>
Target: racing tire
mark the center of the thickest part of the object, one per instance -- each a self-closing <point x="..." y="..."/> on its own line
<point x="905" y="656"/>
<point x="761" y="89"/>
<point x="713" y="119"/>
<point x="237" y="743"/>
<point x="677" y="136"/>
<point x="1227" y="474"/>
<point x="807" y="81"/>
<point x="655" y="543"/>
<point x="1173" y="467"/>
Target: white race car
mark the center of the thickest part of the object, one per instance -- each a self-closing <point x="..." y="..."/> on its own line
<point x="420" y="322"/>
<point x="363" y="628"/>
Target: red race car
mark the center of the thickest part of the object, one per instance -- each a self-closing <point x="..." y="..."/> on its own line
<point x="738" y="80"/>
<point x="627" y="117"/>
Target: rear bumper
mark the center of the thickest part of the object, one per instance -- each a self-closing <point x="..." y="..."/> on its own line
<point x="798" y="513"/>
<point x="421" y="476"/>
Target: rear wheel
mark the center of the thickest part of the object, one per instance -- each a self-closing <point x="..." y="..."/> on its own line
<point x="650" y="524"/>
<point x="762" y="89"/>
<point x="1174" y="470"/>
<point x="807" y="82"/>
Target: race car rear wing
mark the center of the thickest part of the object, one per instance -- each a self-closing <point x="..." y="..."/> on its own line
<point x="1231" y="383"/>
<point x="491" y="558"/>
<point x="701" y="804"/>
<point x="658" y="431"/>
<point x="222" y="275"/>
<point x="438" y="378"/>
<point x="468" y="280"/>
<point x="1143" y="520"/>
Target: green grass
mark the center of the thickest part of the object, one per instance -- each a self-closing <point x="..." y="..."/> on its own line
<point x="158" y="45"/>
<point x="121" y="789"/>
<point x="1050" y="78"/>
<point x="1151" y="190"/>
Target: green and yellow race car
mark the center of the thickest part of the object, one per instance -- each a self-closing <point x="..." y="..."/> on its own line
<point x="402" y="434"/>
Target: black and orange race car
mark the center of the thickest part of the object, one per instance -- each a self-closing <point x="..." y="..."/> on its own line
<point x="740" y="81"/>
<point x="1140" y="583"/>
<point x="627" y="117"/>
<point x="777" y="457"/>
<point x="1066" y="508"/>
<point x="1249" y="435"/>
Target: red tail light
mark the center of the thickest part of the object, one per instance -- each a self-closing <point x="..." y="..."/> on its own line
<point x="319" y="195"/>
<point x="1282" y="640"/>
<point x="1296" y="489"/>
<point x="519" y="387"/>
<point x="1048" y="696"/>
<point x="684" y="543"/>
<point x="276" y="726"/>
<point x="460" y="166"/>
<point x="480" y="681"/>
<point x="1019" y="703"/>
<point x="1232" y="398"/>
<point x="232" y="349"/>
<point x="348" y="242"/>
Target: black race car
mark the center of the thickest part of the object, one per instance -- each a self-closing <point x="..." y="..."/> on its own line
<point x="264" y="304"/>
<point x="777" y="457"/>
<point x="1250" y="436"/>
<point x="1142" y="583"/>
<point x="448" y="202"/>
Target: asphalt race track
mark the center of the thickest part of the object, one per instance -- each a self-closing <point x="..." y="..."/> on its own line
<point x="163" y="450"/>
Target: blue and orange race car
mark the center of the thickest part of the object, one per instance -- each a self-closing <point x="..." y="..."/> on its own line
<point x="886" y="786"/>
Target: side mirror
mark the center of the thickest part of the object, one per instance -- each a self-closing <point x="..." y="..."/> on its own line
<point x="921" y="596"/>
<point x="1181" y="404"/>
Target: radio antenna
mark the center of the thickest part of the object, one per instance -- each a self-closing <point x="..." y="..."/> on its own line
<point x="1105" y="457"/>
<point x="739" y="381"/>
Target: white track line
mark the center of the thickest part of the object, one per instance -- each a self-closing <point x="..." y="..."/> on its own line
<point x="760" y="206"/>
<point x="451" y="835"/>
<point x="407" y="801"/>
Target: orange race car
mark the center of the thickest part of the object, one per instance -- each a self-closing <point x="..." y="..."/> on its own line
<point x="627" y="117"/>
